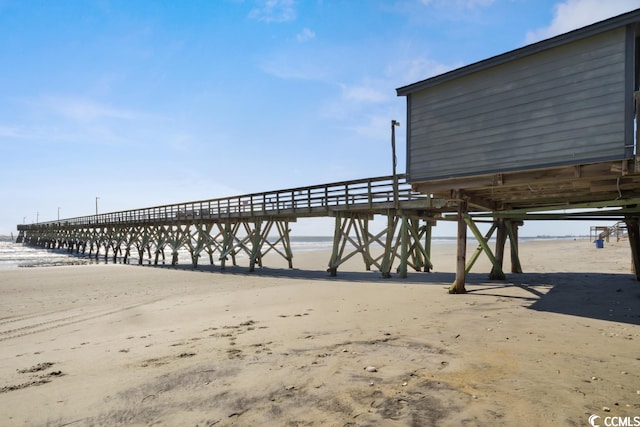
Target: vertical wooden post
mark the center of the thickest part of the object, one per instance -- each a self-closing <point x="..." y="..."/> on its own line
<point x="389" y="252"/>
<point x="227" y="236"/>
<point x="335" y="254"/>
<point x="427" y="245"/>
<point x="512" y="229"/>
<point x="97" y="239"/>
<point x="176" y="240"/>
<point x="286" y="242"/>
<point x="256" y="243"/>
<point x="458" y="285"/>
<point x="366" y="238"/>
<point x="633" y="229"/>
<point x="404" y="243"/>
<point x="415" y="248"/>
<point x="501" y="240"/>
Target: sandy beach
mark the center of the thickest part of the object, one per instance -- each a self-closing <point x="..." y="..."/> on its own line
<point x="140" y="345"/>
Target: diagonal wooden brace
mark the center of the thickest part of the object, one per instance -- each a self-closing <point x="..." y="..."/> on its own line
<point x="498" y="273"/>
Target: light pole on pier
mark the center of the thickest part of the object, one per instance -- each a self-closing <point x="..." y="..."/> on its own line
<point x="58" y="213"/>
<point x="97" y="205"/>
<point x="37" y="217"/>
<point x="396" y="203"/>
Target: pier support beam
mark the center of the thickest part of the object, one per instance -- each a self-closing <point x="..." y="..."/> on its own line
<point x="252" y="237"/>
<point x="428" y="234"/>
<point x="501" y="240"/>
<point x="256" y="243"/>
<point x="283" y="240"/>
<point x="404" y="243"/>
<point x="512" y="230"/>
<point x="389" y="248"/>
<point x="143" y="241"/>
<point x="199" y="238"/>
<point x="476" y="254"/>
<point x="177" y="237"/>
<point x="633" y="230"/>
<point x="412" y="252"/>
<point x="344" y="225"/>
<point x="402" y="239"/>
<point x="227" y="244"/>
<point x="458" y="285"/>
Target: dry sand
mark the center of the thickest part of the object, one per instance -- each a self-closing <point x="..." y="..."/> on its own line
<point x="129" y="345"/>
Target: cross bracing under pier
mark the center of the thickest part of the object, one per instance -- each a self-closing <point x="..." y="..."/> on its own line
<point x="256" y="224"/>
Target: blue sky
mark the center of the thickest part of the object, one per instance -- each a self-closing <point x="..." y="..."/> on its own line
<point x="142" y="103"/>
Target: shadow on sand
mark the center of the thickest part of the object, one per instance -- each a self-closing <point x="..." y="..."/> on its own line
<point x="611" y="297"/>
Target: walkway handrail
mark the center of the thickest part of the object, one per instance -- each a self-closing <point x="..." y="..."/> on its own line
<point x="316" y="199"/>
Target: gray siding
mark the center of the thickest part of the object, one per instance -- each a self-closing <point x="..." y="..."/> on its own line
<point x="561" y="106"/>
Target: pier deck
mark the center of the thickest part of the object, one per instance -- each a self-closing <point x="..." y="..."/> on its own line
<point x="258" y="223"/>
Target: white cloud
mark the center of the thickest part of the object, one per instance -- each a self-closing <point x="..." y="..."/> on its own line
<point x="82" y="109"/>
<point x="274" y="11"/>
<point x="299" y="70"/>
<point x="69" y="119"/>
<point x="374" y="127"/>
<point x="180" y="142"/>
<point x="39" y="132"/>
<point x="305" y="35"/>
<point x="13" y="132"/>
<point x="417" y="69"/>
<point x="572" y="14"/>
<point x="358" y="102"/>
<point x="363" y="93"/>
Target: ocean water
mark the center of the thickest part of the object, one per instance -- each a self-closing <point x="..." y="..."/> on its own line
<point x="13" y="255"/>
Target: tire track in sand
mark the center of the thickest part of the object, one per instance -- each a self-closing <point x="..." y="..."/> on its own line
<point x="61" y="322"/>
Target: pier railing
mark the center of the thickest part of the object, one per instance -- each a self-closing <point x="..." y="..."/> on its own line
<point x="317" y="200"/>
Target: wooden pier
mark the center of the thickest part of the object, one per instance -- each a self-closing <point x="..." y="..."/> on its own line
<point x="256" y="224"/>
<point x="504" y="140"/>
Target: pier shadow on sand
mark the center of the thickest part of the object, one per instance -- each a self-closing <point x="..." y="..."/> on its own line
<point x="611" y="297"/>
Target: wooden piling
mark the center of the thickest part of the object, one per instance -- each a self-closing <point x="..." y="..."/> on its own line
<point x="633" y="230"/>
<point x="501" y="240"/>
<point x="458" y="285"/>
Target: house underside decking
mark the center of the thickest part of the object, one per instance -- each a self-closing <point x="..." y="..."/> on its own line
<point x="607" y="184"/>
<point x="605" y="191"/>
